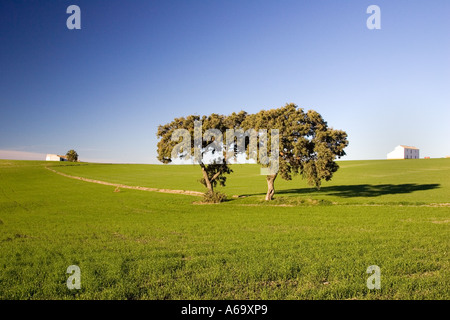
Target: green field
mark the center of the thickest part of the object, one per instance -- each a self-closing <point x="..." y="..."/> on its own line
<point x="306" y="244"/>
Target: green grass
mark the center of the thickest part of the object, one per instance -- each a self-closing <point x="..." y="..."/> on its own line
<point x="306" y="244"/>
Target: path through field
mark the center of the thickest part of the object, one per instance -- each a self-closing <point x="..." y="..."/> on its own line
<point x="185" y="192"/>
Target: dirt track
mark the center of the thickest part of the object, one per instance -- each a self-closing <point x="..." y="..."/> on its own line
<point x="123" y="186"/>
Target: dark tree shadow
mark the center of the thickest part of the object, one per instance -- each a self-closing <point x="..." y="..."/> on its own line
<point x="361" y="190"/>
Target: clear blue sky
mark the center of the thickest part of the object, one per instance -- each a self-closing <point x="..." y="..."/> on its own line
<point x="104" y="89"/>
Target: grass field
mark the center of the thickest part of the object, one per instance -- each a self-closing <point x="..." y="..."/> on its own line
<point x="306" y="244"/>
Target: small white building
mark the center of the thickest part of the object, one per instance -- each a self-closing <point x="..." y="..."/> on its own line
<point x="404" y="152"/>
<point x="55" y="157"/>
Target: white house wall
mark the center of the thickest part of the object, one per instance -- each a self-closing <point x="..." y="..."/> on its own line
<point x="411" y="153"/>
<point x="398" y="153"/>
<point x="403" y="153"/>
<point x="52" y="157"/>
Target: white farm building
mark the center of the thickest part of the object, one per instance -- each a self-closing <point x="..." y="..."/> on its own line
<point x="404" y="152"/>
<point x="55" y="157"/>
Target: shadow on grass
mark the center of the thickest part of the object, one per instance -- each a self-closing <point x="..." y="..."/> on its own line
<point x="363" y="190"/>
<point x="359" y="190"/>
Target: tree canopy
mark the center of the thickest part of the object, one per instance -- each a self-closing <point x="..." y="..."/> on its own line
<point x="306" y="145"/>
<point x="72" y="156"/>
<point x="200" y="136"/>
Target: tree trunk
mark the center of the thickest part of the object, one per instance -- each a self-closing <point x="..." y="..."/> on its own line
<point x="205" y="176"/>
<point x="270" y="186"/>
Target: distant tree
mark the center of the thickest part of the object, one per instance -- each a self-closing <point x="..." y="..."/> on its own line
<point x="72" y="156"/>
<point x="307" y="146"/>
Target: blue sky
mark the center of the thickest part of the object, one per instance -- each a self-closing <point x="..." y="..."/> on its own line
<point x="104" y="89"/>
